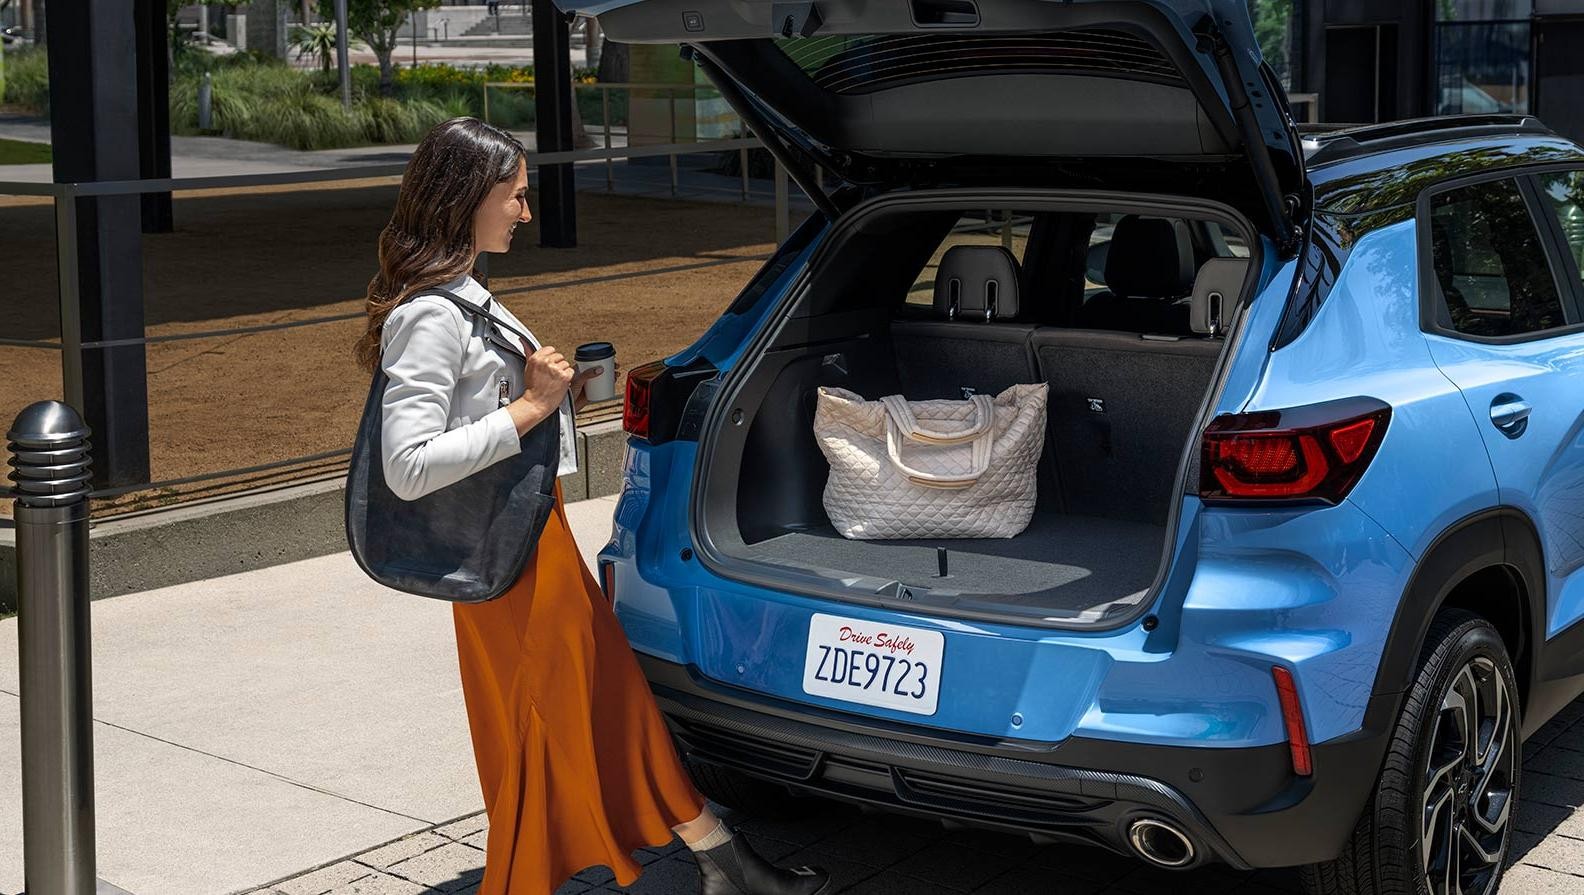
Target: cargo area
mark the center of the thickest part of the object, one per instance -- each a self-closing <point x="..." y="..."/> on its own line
<point x="1112" y="311"/>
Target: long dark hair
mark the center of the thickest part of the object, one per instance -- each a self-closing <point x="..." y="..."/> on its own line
<point x="429" y="240"/>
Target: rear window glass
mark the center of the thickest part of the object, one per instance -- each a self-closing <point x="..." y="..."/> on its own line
<point x="1492" y="272"/>
<point x="978" y="228"/>
<point x="861" y="63"/>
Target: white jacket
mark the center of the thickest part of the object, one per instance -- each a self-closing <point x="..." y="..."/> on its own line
<point x="444" y="415"/>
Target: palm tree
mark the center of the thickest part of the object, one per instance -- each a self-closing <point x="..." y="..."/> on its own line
<point x="318" y="39"/>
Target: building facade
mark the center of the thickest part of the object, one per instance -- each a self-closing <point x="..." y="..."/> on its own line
<point x="1383" y="60"/>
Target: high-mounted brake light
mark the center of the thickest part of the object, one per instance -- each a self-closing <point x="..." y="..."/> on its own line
<point x="1316" y="452"/>
<point x="1292" y="720"/>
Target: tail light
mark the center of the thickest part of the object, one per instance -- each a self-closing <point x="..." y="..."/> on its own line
<point x="1315" y="452"/>
<point x="1292" y="720"/>
<point x="640" y="397"/>
<point x="657" y="399"/>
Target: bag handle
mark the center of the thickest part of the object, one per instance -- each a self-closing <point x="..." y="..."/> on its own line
<point x="899" y="411"/>
<point x="983" y="443"/>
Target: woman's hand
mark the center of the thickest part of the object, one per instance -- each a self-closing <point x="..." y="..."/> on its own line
<point x="548" y="377"/>
<point x="580" y="400"/>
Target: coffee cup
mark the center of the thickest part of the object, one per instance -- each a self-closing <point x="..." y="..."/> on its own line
<point x="598" y="354"/>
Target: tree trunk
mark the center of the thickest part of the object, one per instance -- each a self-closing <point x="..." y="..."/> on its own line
<point x="384" y="46"/>
<point x="307" y="12"/>
<point x="387" y="81"/>
<point x="614" y="66"/>
<point x="580" y="135"/>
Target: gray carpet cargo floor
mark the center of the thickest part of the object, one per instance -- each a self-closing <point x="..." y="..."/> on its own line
<point x="1065" y="565"/>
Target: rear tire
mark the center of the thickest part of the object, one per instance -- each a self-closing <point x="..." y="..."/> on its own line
<point x="749" y="795"/>
<point x="1440" y="819"/>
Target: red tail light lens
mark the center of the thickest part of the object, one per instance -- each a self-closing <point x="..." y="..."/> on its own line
<point x="640" y="397"/>
<point x="1292" y="719"/>
<point x="666" y="402"/>
<point x="1317" y="452"/>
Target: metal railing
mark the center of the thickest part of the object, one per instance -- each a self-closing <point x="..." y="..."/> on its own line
<point x="72" y="346"/>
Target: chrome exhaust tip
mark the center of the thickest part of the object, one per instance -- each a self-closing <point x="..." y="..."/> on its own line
<point x="1161" y="843"/>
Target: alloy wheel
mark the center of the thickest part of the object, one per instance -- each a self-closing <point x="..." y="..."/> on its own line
<point x="1469" y="782"/>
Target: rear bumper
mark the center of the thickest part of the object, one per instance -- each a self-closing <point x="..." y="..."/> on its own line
<point x="1242" y="806"/>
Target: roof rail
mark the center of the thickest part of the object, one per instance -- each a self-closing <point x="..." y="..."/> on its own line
<point x="1322" y="145"/>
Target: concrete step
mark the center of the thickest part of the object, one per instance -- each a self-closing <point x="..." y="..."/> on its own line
<point x="506" y="23"/>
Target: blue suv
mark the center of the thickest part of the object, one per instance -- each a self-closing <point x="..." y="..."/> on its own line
<point x="1306" y="564"/>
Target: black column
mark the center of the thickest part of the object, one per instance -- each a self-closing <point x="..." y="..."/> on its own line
<point x="552" y="55"/>
<point x="153" y="82"/>
<point x="94" y="130"/>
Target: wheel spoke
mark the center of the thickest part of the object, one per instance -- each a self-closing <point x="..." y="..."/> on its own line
<point x="1437" y="819"/>
<point x="1463" y="701"/>
<point x="1485" y="855"/>
<point x="1495" y="709"/>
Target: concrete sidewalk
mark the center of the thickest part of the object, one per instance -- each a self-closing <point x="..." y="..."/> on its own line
<point x="258" y="725"/>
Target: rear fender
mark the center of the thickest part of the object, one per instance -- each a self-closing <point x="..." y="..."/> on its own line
<point x="1499" y="538"/>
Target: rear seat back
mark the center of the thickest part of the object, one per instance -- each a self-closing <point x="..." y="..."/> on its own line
<point x="970" y="343"/>
<point x="1123" y="405"/>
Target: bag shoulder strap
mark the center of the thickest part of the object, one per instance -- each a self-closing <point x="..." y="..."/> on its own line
<point x="471" y="309"/>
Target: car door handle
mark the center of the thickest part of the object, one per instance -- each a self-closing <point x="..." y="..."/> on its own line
<point x="1510" y="414"/>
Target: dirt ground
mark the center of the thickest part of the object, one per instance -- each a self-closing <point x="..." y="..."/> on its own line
<point x="648" y="275"/>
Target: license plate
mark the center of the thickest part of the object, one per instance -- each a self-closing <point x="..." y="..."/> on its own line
<point x="873" y="663"/>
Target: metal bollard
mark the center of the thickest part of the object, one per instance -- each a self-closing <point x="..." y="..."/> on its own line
<point x="206" y="102"/>
<point x="50" y="460"/>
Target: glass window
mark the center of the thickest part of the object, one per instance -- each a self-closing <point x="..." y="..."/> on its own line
<point x="1482" y="10"/>
<point x="1566" y="195"/>
<point x="1489" y="264"/>
<point x="1482" y="68"/>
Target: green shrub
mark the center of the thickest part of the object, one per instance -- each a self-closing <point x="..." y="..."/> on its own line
<point x="27" y="79"/>
<point x="395" y="121"/>
<point x="257" y="97"/>
<point x="306" y="120"/>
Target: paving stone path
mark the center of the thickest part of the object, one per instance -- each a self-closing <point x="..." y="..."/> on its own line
<point x="872" y="854"/>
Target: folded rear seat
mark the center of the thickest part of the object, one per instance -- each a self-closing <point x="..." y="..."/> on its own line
<point x="968" y="343"/>
<point x="1122" y="404"/>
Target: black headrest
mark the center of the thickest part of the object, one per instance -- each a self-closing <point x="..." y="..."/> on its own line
<point x="972" y="280"/>
<point x="1150" y="258"/>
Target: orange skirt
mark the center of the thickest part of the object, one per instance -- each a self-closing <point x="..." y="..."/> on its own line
<point x="575" y="761"/>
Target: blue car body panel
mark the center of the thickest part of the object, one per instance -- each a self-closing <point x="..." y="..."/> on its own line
<point x="1540" y="472"/>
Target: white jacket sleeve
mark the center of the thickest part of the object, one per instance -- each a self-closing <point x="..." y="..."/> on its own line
<point x="422" y="358"/>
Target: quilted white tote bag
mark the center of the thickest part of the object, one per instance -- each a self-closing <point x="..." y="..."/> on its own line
<point x="931" y="469"/>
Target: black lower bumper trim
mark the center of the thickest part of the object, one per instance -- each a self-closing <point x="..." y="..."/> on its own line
<point x="1241" y="806"/>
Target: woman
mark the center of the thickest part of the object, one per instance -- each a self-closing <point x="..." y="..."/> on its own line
<point x="576" y="764"/>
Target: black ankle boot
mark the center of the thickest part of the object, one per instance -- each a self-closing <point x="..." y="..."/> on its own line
<point x="734" y="868"/>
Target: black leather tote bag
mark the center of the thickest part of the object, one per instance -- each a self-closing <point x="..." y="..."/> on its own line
<point x="467" y="542"/>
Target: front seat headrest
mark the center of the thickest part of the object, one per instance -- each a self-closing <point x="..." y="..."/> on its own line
<point x="1149" y="258"/>
<point x="1215" y="292"/>
<point x="977" y="283"/>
